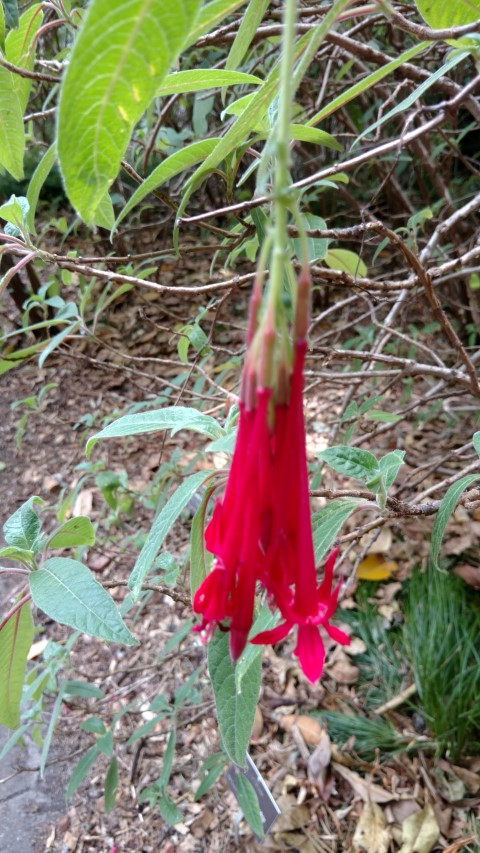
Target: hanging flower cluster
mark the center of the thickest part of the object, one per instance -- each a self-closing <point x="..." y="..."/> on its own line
<point x="260" y="531"/>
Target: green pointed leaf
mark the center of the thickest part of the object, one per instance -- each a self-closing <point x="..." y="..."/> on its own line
<point x="246" y="31"/>
<point x="210" y="16"/>
<point x="264" y="621"/>
<point x="476" y="442"/>
<point x="350" y="461"/>
<point x="66" y="591"/>
<point x="447" y="506"/>
<point x="162" y="524"/>
<point x="22" y="528"/>
<point x="173" y="418"/>
<point x="16" y="637"/>
<point x="58" y="339"/>
<point x="105" y="214"/>
<point x="235" y="710"/>
<point x="178" y="162"/>
<point x="75" y="531"/>
<point x="11" y="13"/>
<point x="19" y="554"/>
<point x="2" y="27"/>
<point x="328" y="521"/>
<point x="169" y="810"/>
<point x="109" y="83"/>
<point x="317" y="246"/>
<point x="111" y="785"/>
<point x="37" y="181"/>
<point x="199" y="557"/>
<point x="12" y="132"/>
<point x="81" y="770"/>
<point x="390" y="465"/>
<point x="303" y="133"/>
<point x="204" y="78"/>
<point x="248" y="802"/>
<point x="443" y="14"/>
<point x="20" y="45"/>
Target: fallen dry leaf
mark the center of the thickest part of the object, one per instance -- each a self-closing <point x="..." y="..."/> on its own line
<point x="342" y="670"/>
<point x="469" y="574"/>
<point x="83" y="503"/>
<point x="319" y="766"/>
<point x="470" y="779"/>
<point x="375" y="568"/>
<point x="382" y="544"/>
<point x="257" y="728"/>
<point x="356" y="647"/>
<point x="420" y="831"/>
<point x="367" y="791"/>
<point x="372" y="834"/>
<point x="310" y="729"/>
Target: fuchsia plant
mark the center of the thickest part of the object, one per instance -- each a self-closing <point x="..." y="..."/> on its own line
<point x="261" y="531"/>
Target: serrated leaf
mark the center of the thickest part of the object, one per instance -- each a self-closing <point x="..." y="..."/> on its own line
<point x="111" y="785"/>
<point x="443" y="14"/>
<point x="178" y="162"/>
<point x="75" y="531"/>
<point x="108" y="85"/>
<point x="235" y="710"/>
<point x="350" y="461"/>
<point x="162" y="524"/>
<point x="22" y="528"/>
<point x="37" y="181"/>
<point x="66" y="591"/>
<point x="327" y="522"/>
<point x="173" y="418"/>
<point x="346" y="261"/>
<point x="16" y="637"/>
<point x="447" y="506"/>
<point x="81" y="771"/>
<point x="248" y="802"/>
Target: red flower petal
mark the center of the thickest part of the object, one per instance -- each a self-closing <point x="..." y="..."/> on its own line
<point x="310" y="651"/>
<point x="275" y="635"/>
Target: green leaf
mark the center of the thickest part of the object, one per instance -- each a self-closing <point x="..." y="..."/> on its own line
<point x="171" y="166"/>
<point x="346" y="261"/>
<point x="169" y="811"/>
<point x="248" y="27"/>
<point x="37" y="181"/>
<point x="12" y="131"/>
<point x="200" y="79"/>
<point x="248" y="802"/>
<point x="390" y="465"/>
<point x="162" y="524"/>
<point x="235" y="710"/>
<point x="15" y="210"/>
<point x="58" y="339"/>
<point x="198" y="554"/>
<point x="11" y="13"/>
<point x="20" y="47"/>
<point x="22" y="528"/>
<point x="66" y="591"/>
<point x="111" y="785"/>
<point x="350" y="461"/>
<point x="164" y="777"/>
<point x="93" y="725"/>
<point x="383" y="417"/>
<point x="173" y="418"/>
<point x="19" y="554"/>
<point x="443" y="14"/>
<point x="105" y="743"/>
<point x="210" y="15"/>
<point x="447" y="506"/>
<point x="476" y="442"/>
<point x="211" y="777"/>
<point x="108" y="85"/>
<point x="304" y="133"/>
<point x="83" y="689"/>
<point x="405" y="105"/>
<point x="317" y="246"/>
<point x="16" y="637"/>
<point x="81" y="770"/>
<point x="328" y="521"/>
<point x="2" y="27"/>
<point x="264" y="621"/>
<point x="75" y="531"/>
<point x="104" y="214"/>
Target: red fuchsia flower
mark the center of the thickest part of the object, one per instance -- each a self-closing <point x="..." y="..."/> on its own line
<point x="261" y="531"/>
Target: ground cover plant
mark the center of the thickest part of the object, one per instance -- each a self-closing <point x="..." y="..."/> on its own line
<point x="239" y="262"/>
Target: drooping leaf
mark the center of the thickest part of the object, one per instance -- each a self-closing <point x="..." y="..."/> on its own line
<point x="37" y="181"/>
<point x="16" y="637"/>
<point x="81" y="770"/>
<point x="75" y="531"/>
<point x="304" y="133"/>
<point x="178" y="162"/>
<point x="447" y="506"/>
<point x="20" y="46"/>
<point x="210" y="16"/>
<point x="235" y="710"/>
<point x="109" y="83"/>
<point x="199" y="79"/>
<point x="22" y="528"/>
<point x="66" y="591"/>
<point x="19" y="554"/>
<point x="328" y="521"/>
<point x="174" y="418"/>
<point x="162" y="524"/>
<point x="248" y="802"/>
<point x="248" y="27"/>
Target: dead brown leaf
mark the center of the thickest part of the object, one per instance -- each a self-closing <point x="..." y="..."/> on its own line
<point x="420" y="831"/>
<point x="342" y="670"/>
<point x="367" y="791"/>
<point x="319" y="766"/>
<point x="469" y="574"/>
<point x="310" y="729"/>
<point x="372" y="834"/>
